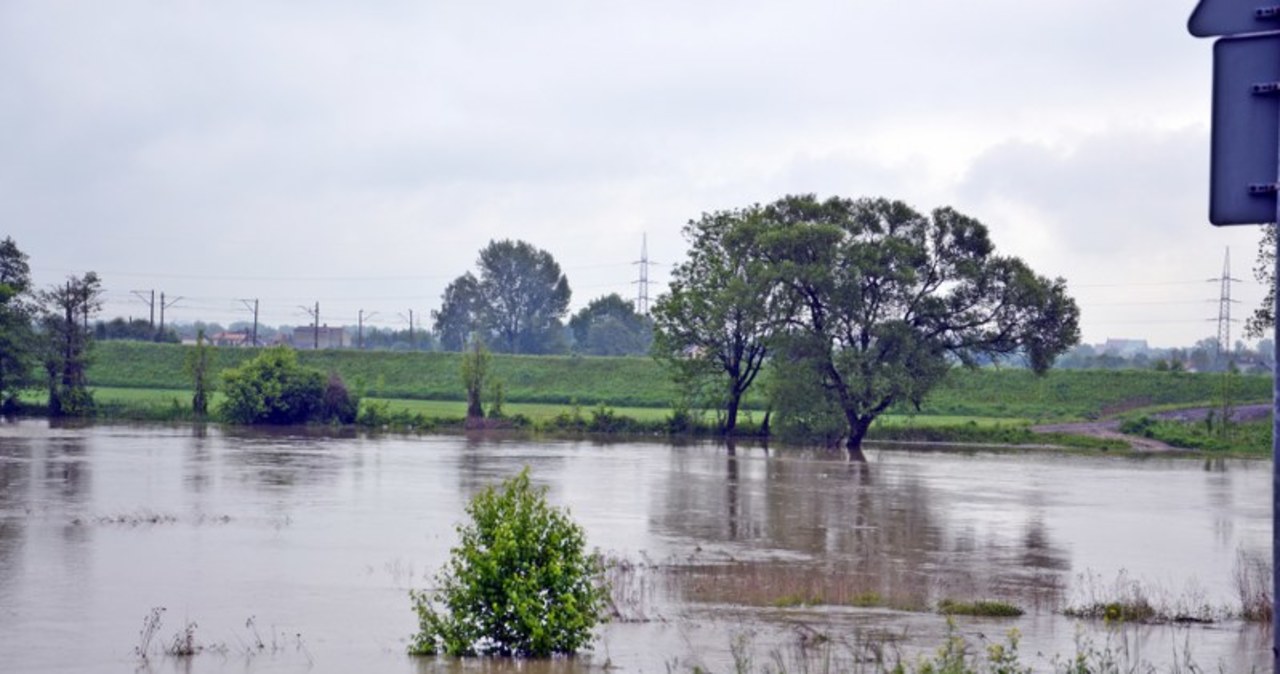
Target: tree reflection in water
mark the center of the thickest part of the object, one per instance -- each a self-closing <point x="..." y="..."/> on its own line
<point x="798" y="526"/>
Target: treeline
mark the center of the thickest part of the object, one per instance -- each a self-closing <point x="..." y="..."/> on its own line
<point x="516" y="301"/>
<point x="44" y="335"/>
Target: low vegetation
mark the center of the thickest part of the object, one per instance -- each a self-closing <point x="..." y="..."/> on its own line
<point x="870" y="652"/>
<point x="986" y="608"/>
<point x="184" y="644"/>
<point x="1253" y="581"/>
<point x="1209" y="434"/>
<point x="1127" y="600"/>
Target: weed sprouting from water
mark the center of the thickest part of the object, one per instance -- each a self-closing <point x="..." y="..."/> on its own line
<point x="632" y="588"/>
<point x="1127" y="600"/>
<point x="183" y="644"/>
<point x="1252" y="575"/>
<point x="870" y="653"/>
<point x="150" y="626"/>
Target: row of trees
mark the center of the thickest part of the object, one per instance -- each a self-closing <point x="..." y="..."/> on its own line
<point x="1204" y="356"/>
<point x="48" y="329"/>
<point x="517" y="300"/>
<point x="856" y="305"/>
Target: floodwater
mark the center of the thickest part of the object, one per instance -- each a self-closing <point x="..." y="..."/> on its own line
<point x="294" y="552"/>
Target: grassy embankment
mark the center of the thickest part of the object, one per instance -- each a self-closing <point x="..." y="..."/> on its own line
<point x="145" y="380"/>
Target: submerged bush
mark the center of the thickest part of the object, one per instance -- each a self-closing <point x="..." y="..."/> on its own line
<point x="520" y="582"/>
<point x="273" y="388"/>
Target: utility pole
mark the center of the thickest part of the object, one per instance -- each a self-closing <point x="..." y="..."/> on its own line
<point x="315" y="323"/>
<point x="150" y="303"/>
<point x="254" y="309"/>
<point x="165" y="305"/>
<point x="642" y="290"/>
<point x="412" y="342"/>
<point x="360" y="316"/>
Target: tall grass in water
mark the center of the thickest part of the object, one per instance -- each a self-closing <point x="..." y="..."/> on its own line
<point x="784" y="585"/>
<point x="870" y="653"/>
<point x="1252" y="575"/>
<point x="1127" y="600"/>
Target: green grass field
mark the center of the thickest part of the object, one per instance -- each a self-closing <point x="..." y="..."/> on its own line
<point x="640" y="383"/>
<point x="165" y="400"/>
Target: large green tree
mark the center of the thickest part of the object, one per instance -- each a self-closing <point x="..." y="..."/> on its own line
<point x="887" y="299"/>
<point x="720" y="310"/>
<point x="610" y="326"/>
<point x="459" y="313"/>
<point x="17" y="342"/>
<point x="517" y="301"/>
<point x="66" y="341"/>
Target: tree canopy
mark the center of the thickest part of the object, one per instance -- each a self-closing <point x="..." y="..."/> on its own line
<point x="1262" y="322"/>
<point x="721" y="308"/>
<point x="17" y="341"/>
<point x="66" y="342"/>
<point x="610" y="326"/>
<point x="518" y="301"/>
<point x="459" y="313"/>
<point x="867" y="300"/>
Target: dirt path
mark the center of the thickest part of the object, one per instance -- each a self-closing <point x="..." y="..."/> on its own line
<point x="1109" y="429"/>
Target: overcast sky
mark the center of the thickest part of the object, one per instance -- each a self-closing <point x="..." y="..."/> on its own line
<point x="359" y="154"/>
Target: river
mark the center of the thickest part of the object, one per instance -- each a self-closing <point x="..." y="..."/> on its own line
<point x="295" y="551"/>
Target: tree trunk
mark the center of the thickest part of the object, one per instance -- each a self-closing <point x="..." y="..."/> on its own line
<point x="475" y="410"/>
<point x="858" y="427"/>
<point x="731" y="414"/>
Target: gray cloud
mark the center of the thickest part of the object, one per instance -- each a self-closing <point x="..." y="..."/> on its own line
<point x="223" y="149"/>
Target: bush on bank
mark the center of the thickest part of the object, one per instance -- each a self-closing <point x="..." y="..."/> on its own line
<point x="272" y="388"/>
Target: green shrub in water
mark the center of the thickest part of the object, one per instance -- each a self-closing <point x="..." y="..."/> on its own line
<point x="520" y="582"/>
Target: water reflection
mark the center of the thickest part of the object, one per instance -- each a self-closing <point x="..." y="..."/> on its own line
<point x="67" y="469"/>
<point x="15" y="481"/>
<point x="882" y="527"/>
<point x="199" y="461"/>
<point x="285" y="462"/>
<point x="1218" y="492"/>
<point x="739" y="529"/>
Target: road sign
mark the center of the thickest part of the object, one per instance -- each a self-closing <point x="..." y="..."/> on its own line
<point x="1245" y="170"/>
<point x="1246" y="129"/>
<point x="1234" y="17"/>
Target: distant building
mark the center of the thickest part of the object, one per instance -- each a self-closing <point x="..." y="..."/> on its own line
<point x="237" y="339"/>
<point x="1125" y="348"/>
<point x="327" y="337"/>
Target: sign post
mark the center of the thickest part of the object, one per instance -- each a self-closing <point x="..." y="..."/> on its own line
<point x="1245" y="170"/>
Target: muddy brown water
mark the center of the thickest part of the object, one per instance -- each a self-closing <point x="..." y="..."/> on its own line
<point x="295" y="552"/>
